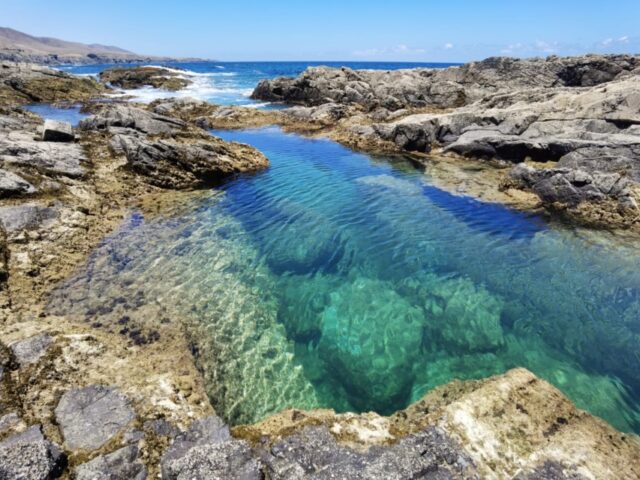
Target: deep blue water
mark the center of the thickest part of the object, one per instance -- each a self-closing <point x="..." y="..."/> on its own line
<point x="71" y="115"/>
<point x="341" y="280"/>
<point x="233" y="82"/>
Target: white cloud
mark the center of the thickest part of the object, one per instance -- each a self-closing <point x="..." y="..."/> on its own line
<point x="390" y="51"/>
<point x="448" y="46"/>
<point x="624" y="39"/>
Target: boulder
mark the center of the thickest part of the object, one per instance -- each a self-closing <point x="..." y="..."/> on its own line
<point x="29" y="456"/>
<point x="122" y="464"/>
<point x="89" y="417"/>
<point x="55" y="131"/>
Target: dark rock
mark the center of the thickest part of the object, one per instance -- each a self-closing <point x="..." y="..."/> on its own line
<point x="29" y="456"/>
<point x="89" y="417"/>
<point x="550" y="470"/>
<point x="55" y="131"/>
<point x="122" y="464"/>
<point x="32" y="349"/>
<point x="137" y="77"/>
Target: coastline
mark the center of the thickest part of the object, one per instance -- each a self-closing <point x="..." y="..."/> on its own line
<point x="159" y="377"/>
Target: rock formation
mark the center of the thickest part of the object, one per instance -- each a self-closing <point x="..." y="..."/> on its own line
<point x="580" y="114"/>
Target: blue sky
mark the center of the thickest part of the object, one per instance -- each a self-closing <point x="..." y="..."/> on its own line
<point x="401" y="30"/>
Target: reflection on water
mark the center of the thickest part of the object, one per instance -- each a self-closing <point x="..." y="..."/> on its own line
<point x="337" y="280"/>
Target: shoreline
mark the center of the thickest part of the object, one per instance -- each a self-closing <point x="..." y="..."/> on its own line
<point x="159" y="377"/>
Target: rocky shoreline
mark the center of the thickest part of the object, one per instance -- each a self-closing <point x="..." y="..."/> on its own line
<point x="85" y="400"/>
<point x="566" y="128"/>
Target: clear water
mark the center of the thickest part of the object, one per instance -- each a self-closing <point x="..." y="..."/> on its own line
<point x="71" y="115"/>
<point x="336" y="279"/>
<point x="232" y="82"/>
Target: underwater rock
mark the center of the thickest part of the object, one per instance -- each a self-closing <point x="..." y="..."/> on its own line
<point x="370" y="334"/>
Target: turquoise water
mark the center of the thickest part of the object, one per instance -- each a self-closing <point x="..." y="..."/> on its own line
<point x="341" y="280"/>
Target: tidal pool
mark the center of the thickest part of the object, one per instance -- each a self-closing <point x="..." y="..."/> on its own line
<point x="335" y="279"/>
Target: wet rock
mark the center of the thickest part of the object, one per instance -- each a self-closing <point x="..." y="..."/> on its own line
<point x="55" y="131"/>
<point x="186" y="164"/>
<point x="12" y="185"/>
<point x="29" y="456"/>
<point x="28" y="216"/>
<point x="32" y="349"/>
<point x="125" y="116"/>
<point x="89" y="417"/>
<point x="368" y="344"/>
<point x="122" y="464"/>
<point x="137" y="77"/>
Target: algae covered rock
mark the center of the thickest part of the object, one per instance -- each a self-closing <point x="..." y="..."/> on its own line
<point x="370" y="338"/>
<point x="138" y="77"/>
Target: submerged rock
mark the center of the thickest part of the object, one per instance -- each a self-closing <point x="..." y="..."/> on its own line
<point x="370" y="334"/>
<point x="89" y="417"/>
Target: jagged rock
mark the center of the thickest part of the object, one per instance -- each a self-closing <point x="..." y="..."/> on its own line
<point x="55" y="131"/>
<point x="134" y="118"/>
<point x="197" y="162"/>
<point x="207" y="450"/>
<point x="28" y="216"/>
<point x="32" y="349"/>
<point x="89" y="417"/>
<point x="451" y="87"/>
<point x="29" y="456"/>
<point x="137" y="77"/>
<point x="12" y="184"/>
<point x="122" y="464"/>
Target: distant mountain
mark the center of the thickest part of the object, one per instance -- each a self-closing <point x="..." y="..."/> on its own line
<point x="21" y="47"/>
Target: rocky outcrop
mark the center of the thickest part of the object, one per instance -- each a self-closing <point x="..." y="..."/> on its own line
<point x="580" y="113"/>
<point x="167" y="152"/>
<point x="22" y="83"/>
<point x="54" y="131"/>
<point x="137" y="77"/>
<point x="446" y="88"/>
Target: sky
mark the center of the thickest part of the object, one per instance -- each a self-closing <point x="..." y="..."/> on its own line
<point x="372" y="30"/>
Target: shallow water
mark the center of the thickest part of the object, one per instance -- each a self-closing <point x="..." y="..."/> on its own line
<point x="71" y="114"/>
<point x="339" y="280"/>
